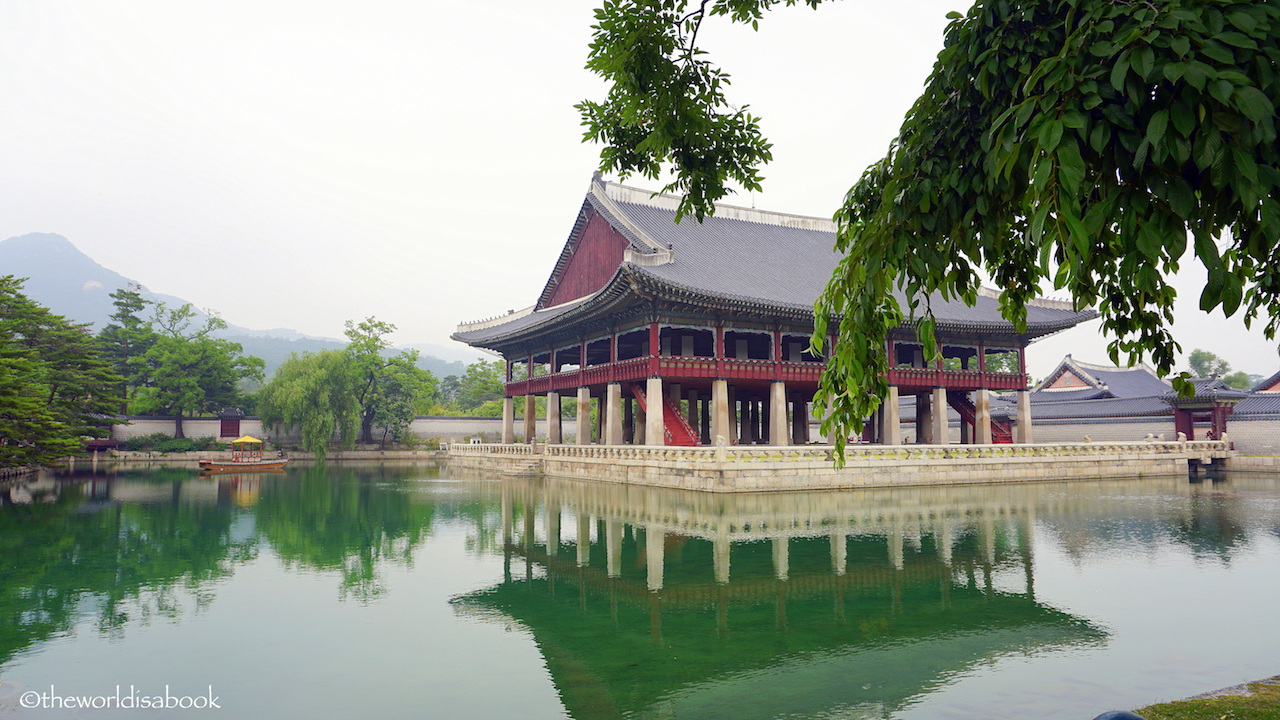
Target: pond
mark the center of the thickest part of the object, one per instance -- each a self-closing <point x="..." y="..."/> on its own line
<point x="401" y="591"/>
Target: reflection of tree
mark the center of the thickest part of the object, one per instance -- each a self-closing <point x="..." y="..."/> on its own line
<point x="128" y="562"/>
<point x="334" y="518"/>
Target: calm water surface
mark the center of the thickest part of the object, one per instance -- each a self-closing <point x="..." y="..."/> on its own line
<point x="404" y="592"/>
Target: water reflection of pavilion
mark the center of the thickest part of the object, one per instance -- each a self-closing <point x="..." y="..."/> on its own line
<point x="673" y="604"/>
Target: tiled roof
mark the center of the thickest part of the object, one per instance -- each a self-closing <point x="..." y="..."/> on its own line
<point x="1139" y="381"/>
<point x="1087" y="393"/>
<point x="1131" y="382"/>
<point x="745" y="257"/>
<point x="1210" y="388"/>
<point x="1266" y="383"/>
<point x="1100" y="408"/>
<point x="1259" y="404"/>
<point x="789" y="265"/>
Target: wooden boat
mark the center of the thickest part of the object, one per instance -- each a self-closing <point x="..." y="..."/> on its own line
<point x="246" y="456"/>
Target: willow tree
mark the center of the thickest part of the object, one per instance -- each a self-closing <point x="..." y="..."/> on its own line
<point x="1083" y="145"/>
<point x="314" y="394"/>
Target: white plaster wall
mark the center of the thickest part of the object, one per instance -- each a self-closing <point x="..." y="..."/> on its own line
<point x="191" y="427"/>
<point x="1255" y="437"/>
<point x="1104" y="432"/>
<point x="444" y="429"/>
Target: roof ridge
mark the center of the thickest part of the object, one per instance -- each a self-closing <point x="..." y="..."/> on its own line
<point x="639" y="196"/>
<point x="1113" y="368"/>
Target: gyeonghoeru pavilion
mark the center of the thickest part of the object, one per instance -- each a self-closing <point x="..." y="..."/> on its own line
<point x="698" y="334"/>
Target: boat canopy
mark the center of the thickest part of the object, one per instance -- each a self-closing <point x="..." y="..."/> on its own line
<point x="247" y="440"/>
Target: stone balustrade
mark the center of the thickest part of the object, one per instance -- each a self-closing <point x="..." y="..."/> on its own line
<point x="764" y="468"/>
<point x="819" y="453"/>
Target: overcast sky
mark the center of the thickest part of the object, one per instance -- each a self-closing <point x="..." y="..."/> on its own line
<point x="299" y="164"/>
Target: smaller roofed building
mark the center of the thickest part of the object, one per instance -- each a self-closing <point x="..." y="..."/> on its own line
<point x="1098" y="400"/>
<point x="682" y="333"/>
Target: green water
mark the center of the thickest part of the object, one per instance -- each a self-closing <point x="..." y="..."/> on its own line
<point x="405" y="592"/>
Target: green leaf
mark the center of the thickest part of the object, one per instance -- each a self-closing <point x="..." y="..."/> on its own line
<point x="1253" y="103"/>
<point x="1156" y="127"/>
<point x="1071" y="167"/>
<point x="1119" y="70"/>
<point x="1050" y="135"/>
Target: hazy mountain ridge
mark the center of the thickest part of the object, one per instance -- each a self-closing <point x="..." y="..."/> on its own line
<point x="70" y="283"/>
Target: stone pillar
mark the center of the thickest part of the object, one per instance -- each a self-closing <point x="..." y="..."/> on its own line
<point x="508" y="420"/>
<point x="640" y="423"/>
<point x="677" y="398"/>
<point x="799" y="420"/>
<point x="653" y="553"/>
<point x="552" y="511"/>
<point x="892" y="430"/>
<point x="781" y="558"/>
<point x="720" y="412"/>
<point x="584" y="416"/>
<point x="554" y="428"/>
<point x="941" y="428"/>
<point x="839" y="552"/>
<point x="507" y="514"/>
<point x="654" y="428"/>
<point x="752" y="420"/>
<point x="895" y="542"/>
<point x="602" y="410"/>
<point x="720" y="557"/>
<point x="778" y="432"/>
<point x="629" y="421"/>
<point x="1025" y="435"/>
<point x="613" y="414"/>
<point x="613" y="547"/>
<point x="705" y="436"/>
<point x="584" y="540"/>
<point x="766" y="409"/>
<point x="982" y="416"/>
<point x="693" y="414"/>
<point x="943" y="539"/>
<point x="924" y="419"/>
<point x="530" y="419"/>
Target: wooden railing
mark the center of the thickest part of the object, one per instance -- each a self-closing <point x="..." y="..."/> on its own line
<point x="673" y="367"/>
<point x="955" y="379"/>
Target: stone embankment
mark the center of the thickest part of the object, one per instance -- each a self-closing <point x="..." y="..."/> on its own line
<point x="745" y="468"/>
<point x="194" y="457"/>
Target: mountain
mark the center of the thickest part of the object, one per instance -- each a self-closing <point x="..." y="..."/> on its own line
<point x="70" y="283"/>
<point x="65" y="280"/>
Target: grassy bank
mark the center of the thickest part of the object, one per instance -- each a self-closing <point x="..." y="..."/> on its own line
<point x="1262" y="704"/>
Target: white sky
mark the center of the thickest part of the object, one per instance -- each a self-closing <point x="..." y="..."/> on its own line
<point x="298" y="164"/>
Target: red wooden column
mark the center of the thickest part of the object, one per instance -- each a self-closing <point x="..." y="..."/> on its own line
<point x="655" y="349"/>
<point x="719" y="351"/>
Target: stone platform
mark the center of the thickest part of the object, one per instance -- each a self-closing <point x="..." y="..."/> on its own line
<point x="762" y="468"/>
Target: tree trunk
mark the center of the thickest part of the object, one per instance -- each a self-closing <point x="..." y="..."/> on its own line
<point x="366" y="429"/>
<point x="177" y="427"/>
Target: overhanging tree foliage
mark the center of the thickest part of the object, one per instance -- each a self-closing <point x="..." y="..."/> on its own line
<point x="1077" y="144"/>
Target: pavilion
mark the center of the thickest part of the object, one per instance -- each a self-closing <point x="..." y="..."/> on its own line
<point x="683" y="333"/>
